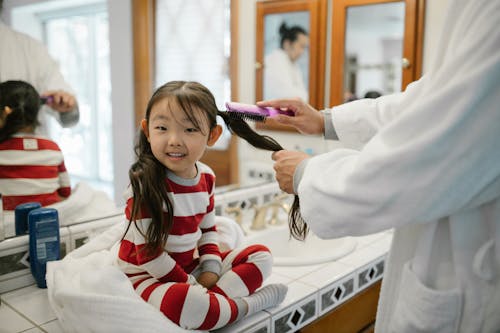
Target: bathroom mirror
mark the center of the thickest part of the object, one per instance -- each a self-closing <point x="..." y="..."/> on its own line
<point x="376" y="49"/>
<point x="286" y="69"/>
<point x="224" y="161"/>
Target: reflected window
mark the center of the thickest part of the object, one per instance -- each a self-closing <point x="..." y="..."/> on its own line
<point x="374" y="50"/>
<point x="193" y="44"/>
<point x="78" y="39"/>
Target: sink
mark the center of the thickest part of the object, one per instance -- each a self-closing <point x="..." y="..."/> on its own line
<point x="288" y="251"/>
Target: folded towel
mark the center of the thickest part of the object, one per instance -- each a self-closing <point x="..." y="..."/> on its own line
<point x="230" y="233"/>
<point x="85" y="203"/>
<point x="89" y="294"/>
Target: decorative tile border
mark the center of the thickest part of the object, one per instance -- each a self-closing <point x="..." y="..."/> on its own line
<point x="370" y="273"/>
<point x="337" y="293"/>
<point x="296" y="316"/>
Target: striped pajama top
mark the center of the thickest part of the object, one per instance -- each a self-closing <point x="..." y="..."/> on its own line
<point x="192" y="239"/>
<point x="32" y="169"/>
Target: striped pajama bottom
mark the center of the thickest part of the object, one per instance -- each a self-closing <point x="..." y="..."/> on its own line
<point x="195" y="307"/>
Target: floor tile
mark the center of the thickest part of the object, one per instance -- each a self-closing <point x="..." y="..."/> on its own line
<point x="52" y="327"/>
<point x="32" y="302"/>
<point x="11" y="321"/>
<point x="34" y="330"/>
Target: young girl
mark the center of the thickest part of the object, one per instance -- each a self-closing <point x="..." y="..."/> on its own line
<point x="170" y="251"/>
<point x="32" y="166"/>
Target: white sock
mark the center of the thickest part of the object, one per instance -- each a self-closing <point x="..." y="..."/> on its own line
<point x="268" y="296"/>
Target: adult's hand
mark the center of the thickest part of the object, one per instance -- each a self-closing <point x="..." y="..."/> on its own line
<point x="59" y="100"/>
<point x="286" y="163"/>
<point x="307" y="120"/>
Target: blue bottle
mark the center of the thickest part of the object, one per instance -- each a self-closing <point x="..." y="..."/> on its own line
<point x="44" y="241"/>
<point x="21" y="216"/>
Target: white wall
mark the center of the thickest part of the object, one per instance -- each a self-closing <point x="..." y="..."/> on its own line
<point x="122" y="92"/>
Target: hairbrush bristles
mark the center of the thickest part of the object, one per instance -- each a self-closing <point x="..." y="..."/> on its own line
<point x="253" y="112"/>
<point x="246" y="116"/>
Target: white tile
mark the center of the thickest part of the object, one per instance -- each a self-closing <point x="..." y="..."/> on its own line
<point x="32" y="302"/>
<point x="383" y="244"/>
<point x="53" y="327"/>
<point x="361" y="257"/>
<point x="277" y="278"/>
<point x="327" y="274"/>
<point x="296" y="272"/>
<point x="11" y="321"/>
<point x="368" y="239"/>
<point x="259" y="318"/>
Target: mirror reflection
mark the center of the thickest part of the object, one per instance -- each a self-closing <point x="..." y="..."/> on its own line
<point x="286" y="60"/>
<point x="373" y="50"/>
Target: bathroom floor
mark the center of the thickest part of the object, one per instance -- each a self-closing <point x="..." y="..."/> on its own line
<point x="27" y="310"/>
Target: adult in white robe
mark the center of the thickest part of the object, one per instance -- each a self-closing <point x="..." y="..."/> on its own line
<point x="427" y="163"/>
<point x="26" y="59"/>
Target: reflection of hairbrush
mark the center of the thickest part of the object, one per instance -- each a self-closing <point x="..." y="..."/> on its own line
<point x="45" y="100"/>
<point x="253" y="112"/>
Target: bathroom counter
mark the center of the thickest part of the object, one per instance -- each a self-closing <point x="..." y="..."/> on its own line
<point x="313" y="290"/>
<point x="316" y="290"/>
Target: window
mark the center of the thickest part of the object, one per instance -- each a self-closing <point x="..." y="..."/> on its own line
<point x="78" y="39"/>
<point x="193" y="44"/>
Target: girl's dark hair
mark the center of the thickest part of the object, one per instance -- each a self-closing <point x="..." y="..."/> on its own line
<point x="290" y="34"/>
<point x="24" y="101"/>
<point x="147" y="173"/>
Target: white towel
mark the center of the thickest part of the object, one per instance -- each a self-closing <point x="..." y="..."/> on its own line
<point x="89" y="294"/>
<point x="230" y="233"/>
<point x="84" y="204"/>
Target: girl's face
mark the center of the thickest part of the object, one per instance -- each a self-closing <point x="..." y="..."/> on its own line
<point x="175" y="141"/>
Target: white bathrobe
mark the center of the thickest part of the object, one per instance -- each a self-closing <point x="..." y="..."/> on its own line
<point x="283" y="78"/>
<point x="426" y="162"/>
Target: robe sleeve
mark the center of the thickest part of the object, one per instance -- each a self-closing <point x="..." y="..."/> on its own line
<point x="419" y="155"/>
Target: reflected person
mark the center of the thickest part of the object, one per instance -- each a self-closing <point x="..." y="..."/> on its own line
<point x="283" y="77"/>
<point x="31" y="166"/>
<point x="26" y="59"/>
<point x="425" y="162"/>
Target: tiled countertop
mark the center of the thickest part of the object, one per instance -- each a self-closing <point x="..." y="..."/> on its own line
<point x="313" y="291"/>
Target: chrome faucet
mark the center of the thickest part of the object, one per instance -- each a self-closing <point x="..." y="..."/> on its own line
<point x="260" y="219"/>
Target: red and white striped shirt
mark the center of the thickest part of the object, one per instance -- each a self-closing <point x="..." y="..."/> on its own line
<point x="32" y="169"/>
<point x="193" y="232"/>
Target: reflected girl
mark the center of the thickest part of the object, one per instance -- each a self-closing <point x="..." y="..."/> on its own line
<point x="32" y="166"/>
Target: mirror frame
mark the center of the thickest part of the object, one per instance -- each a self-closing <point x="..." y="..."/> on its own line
<point x="412" y="48"/>
<point x="317" y="41"/>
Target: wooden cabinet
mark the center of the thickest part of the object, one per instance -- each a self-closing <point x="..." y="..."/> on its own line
<point x="355" y="315"/>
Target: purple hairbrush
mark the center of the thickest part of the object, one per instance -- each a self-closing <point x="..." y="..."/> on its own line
<point x="254" y="112"/>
